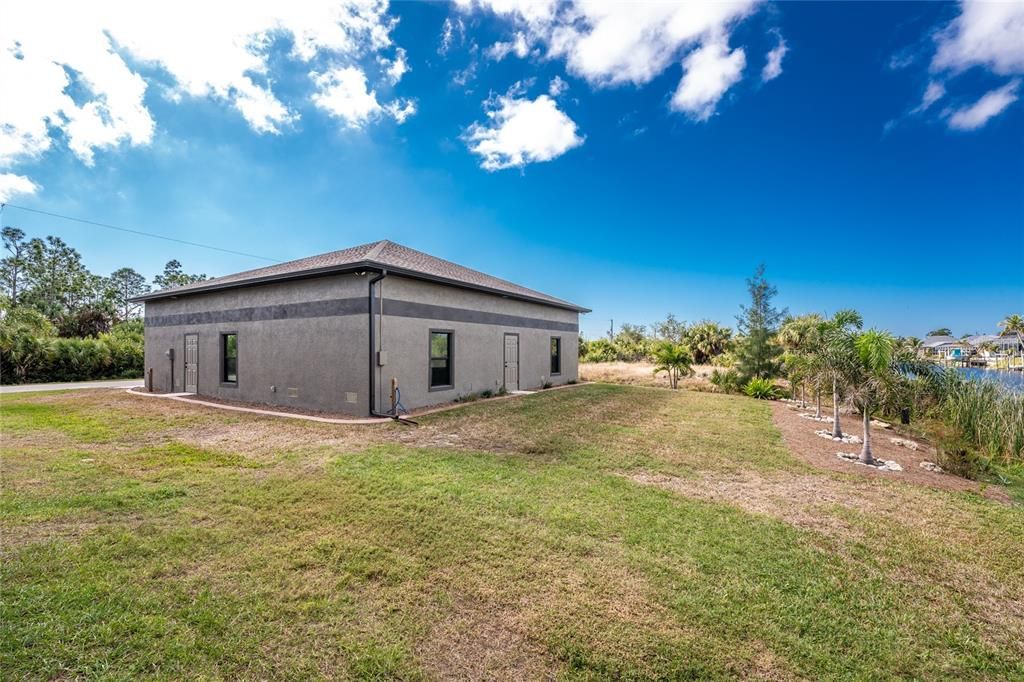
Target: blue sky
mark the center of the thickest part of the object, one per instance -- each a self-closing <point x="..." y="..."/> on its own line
<point x="879" y="165"/>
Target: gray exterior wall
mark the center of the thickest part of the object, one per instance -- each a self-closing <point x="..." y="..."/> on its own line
<point x="288" y="338"/>
<point x="479" y="322"/>
<point x="309" y="339"/>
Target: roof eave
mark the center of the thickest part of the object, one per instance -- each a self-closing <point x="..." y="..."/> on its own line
<point x="354" y="267"/>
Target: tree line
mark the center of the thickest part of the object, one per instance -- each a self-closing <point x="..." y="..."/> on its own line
<point x="61" y="322"/>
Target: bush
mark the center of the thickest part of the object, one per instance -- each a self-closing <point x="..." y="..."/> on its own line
<point x="727" y="381"/>
<point x="762" y="389"/>
<point x="29" y="353"/>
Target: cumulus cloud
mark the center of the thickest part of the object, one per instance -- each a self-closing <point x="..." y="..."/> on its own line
<point x="521" y="131"/>
<point x="557" y="86"/>
<point x="988" y="34"/>
<point x="343" y="92"/>
<point x="708" y="72"/>
<point x="989" y="106"/>
<point x="85" y="76"/>
<point x="773" y="62"/>
<point x="615" y="43"/>
<point x="12" y="185"/>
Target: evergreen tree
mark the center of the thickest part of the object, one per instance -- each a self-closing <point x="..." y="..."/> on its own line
<point x="125" y="284"/>
<point x="174" y="276"/>
<point x="758" y="354"/>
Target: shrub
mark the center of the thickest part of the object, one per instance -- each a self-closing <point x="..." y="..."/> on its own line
<point x="762" y="389"/>
<point x="727" y="381"/>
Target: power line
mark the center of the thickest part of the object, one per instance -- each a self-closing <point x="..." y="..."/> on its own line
<point x="139" y="232"/>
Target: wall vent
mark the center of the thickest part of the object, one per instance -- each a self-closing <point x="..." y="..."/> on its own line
<point x="351" y="397"/>
<point x="293" y="392"/>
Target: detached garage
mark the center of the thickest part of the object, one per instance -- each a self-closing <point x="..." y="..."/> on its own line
<point x="335" y="332"/>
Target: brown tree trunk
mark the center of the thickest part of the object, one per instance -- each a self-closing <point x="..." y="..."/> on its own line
<point x="817" y="403"/>
<point x="837" y="431"/>
<point x="865" y="452"/>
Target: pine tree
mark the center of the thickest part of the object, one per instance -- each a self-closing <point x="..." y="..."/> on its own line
<point x="758" y="354"/>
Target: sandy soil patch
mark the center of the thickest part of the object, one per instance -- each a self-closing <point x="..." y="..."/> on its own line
<point x="642" y="374"/>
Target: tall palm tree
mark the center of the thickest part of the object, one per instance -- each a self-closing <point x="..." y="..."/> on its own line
<point x="881" y="376"/>
<point x="834" y="359"/>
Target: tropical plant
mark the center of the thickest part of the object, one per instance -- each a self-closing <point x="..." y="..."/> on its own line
<point x="799" y="336"/>
<point x="758" y="355"/>
<point x="832" y="361"/>
<point x="673" y="358"/>
<point x="762" y="389"/>
<point x="941" y="331"/>
<point x="1014" y="325"/>
<point x="707" y="340"/>
<point x="727" y="380"/>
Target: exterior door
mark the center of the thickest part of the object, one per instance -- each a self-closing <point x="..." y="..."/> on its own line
<point x="191" y="363"/>
<point x="511" y="362"/>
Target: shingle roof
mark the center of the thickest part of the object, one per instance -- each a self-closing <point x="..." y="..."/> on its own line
<point x="398" y="259"/>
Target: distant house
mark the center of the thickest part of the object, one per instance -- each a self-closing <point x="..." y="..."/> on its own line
<point x="945" y="347"/>
<point x="332" y="332"/>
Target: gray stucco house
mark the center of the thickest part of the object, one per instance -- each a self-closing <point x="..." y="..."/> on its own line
<point x="331" y="333"/>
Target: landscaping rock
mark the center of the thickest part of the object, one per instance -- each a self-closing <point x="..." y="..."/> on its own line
<point x="931" y="466"/>
<point x="810" y="415"/>
<point x="881" y="424"/>
<point x="847" y="438"/>
<point x="904" y="443"/>
<point x="879" y="464"/>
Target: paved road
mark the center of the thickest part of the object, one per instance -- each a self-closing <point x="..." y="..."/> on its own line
<point x="73" y="386"/>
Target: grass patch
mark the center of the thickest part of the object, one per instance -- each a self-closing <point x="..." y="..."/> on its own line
<point x="500" y="540"/>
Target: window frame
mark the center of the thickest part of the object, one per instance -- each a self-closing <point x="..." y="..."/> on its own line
<point x="451" y="360"/>
<point x="553" y="355"/>
<point x="223" y="360"/>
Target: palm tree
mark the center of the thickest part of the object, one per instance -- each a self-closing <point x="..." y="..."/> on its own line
<point x="834" y="361"/>
<point x="879" y="377"/>
<point x="674" y="358"/>
<point x="912" y="344"/>
<point x="1014" y="324"/>
<point x="798" y="336"/>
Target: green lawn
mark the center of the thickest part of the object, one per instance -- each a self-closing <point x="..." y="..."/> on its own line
<point x="504" y="540"/>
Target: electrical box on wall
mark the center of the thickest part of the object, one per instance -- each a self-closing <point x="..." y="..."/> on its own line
<point x="382" y="358"/>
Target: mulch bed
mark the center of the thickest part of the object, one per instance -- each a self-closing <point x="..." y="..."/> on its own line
<point x="801" y="439"/>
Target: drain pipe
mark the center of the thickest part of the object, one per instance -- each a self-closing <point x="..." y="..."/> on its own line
<point x="373" y="348"/>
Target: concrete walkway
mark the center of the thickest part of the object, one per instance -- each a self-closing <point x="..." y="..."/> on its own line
<point x="72" y="386"/>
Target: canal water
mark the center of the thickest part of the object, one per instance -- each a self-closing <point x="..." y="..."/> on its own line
<point x="1010" y="379"/>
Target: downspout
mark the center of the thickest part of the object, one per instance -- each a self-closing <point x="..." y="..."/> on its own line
<point x="373" y="349"/>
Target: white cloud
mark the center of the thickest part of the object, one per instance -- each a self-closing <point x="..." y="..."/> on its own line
<point x="521" y="131"/>
<point x="342" y="92"/>
<point x="989" y="106"/>
<point x="773" y="64"/>
<point x="932" y="94"/>
<point x="988" y="34"/>
<point x="708" y="72"/>
<point x="81" y="69"/>
<point x="557" y="86"/>
<point x="395" y="68"/>
<point x="614" y="43"/>
<point x="12" y="185"/>
<point x="451" y="30"/>
<point x="500" y="50"/>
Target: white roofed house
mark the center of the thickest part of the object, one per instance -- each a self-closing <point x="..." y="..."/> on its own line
<point x="943" y="347"/>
